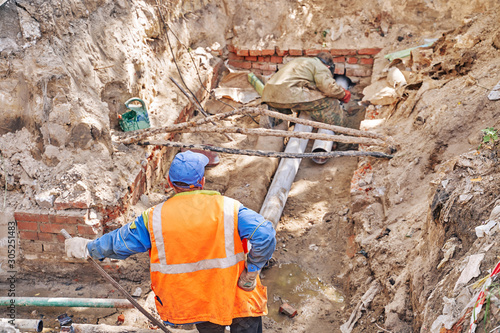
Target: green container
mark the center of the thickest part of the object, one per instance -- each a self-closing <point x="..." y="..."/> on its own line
<point x="136" y="118"/>
<point x="256" y="83"/>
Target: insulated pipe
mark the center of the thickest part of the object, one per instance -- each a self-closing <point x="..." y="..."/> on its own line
<point x="67" y="302"/>
<point x="25" y="325"/>
<point x="283" y="178"/>
<point x="321" y="146"/>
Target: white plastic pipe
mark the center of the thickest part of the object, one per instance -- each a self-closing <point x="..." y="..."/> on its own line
<point x="276" y="197"/>
<point x="26" y="325"/>
<point x="321" y="146"/>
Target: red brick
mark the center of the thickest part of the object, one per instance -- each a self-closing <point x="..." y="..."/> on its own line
<point x="260" y="59"/>
<point x="242" y="53"/>
<point x="255" y="53"/>
<point x="366" y="61"/>
<point x="240" y="64"/>
<point x="231" y="48"/>
<point x="339" y="59"/>
<point x="311" y="52"/>
<point x="32" y="235"/>
<point x="58" y="205"/>
<point x="61" y="239"/>
<point x="22" y="225"/>
<point x="295" y="52"/>
<point x="46" y="237"/>
<point x="269" y="67"/>
<point x="86" y="230"/>
<point x="69" y="219"/>
<point x="256" y="65"/>
<point x="372" y="51"/>
<point x="233" y="56"/>
<point x="20" y="216"/>
<point x="277" y="60"/>
<point x="342" y="52"/>
<point x="54" y="248"/>
<point x="357" y="70"/>
<point x="339" y="68"/>
<point x="281" y="52"/>
<point x="54" y="228"/>
<point x="251" y="58"/>
<point x="268" y="52"/>
<point x="29" y="246"/>
<point x="352" y="60"/>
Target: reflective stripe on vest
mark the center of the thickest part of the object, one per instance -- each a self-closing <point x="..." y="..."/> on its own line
<point x="230" y="259"/>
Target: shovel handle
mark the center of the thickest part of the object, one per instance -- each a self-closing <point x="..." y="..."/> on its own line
<point x="65" y="234"/>
<point x="119" y="287"/>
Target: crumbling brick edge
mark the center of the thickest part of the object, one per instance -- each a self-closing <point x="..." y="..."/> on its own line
<point x="355" y="63"/>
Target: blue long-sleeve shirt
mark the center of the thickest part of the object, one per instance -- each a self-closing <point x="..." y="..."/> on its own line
<point x="134" y="238"/>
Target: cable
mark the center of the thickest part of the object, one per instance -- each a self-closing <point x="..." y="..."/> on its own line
<point x="194" y="63"/>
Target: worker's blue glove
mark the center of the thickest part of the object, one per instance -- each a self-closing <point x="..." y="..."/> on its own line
<point x="248" y="280"/>
<point x="76" y="247"/>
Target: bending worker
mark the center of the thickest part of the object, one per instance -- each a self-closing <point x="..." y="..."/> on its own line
<point x="307" y="85"/>
<point x="198" y="269"/>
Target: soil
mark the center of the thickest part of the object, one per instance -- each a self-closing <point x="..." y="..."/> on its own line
<point x="62" y="88"/>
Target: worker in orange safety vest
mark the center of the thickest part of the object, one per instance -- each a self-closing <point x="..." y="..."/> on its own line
<point x="199" y="270"/>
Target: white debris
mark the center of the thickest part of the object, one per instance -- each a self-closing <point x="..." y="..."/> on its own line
<point x="470" y="271"/>
<point x="485" y="229"/>
<point x="137" y="292"/>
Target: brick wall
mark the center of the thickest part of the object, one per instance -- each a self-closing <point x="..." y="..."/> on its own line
<point x="356" y="63"/>
<point x="40" y="231"/>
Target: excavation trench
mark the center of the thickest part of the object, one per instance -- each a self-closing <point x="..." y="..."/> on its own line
<point x="349" y="227"/>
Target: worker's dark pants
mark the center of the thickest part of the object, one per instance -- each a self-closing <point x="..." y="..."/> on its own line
<point x="239" y="325"/>
<point x="326" y="110"/>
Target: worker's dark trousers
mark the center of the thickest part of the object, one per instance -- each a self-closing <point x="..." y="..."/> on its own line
<point x="239" y="325"/>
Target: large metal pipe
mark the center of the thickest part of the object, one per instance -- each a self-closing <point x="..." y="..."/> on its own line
<point x="276" y="197"/>
<point x="67" y="302"/>
<point x="25" y="325"/>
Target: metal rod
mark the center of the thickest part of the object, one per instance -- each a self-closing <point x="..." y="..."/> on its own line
<point x="25" y="325"/>
<point x="67" y="302"/>
<point x="103" y="328"/>
<point x="262" y="153"/>
<point x="119" y="287"/>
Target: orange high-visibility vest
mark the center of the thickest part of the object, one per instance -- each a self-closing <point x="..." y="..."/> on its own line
<point x="196" y="259"/>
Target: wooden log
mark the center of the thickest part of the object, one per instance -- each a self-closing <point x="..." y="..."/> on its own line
<point x="283" y="178"/>
<point x="286" y="134"/>
<point x="135" y="136"/>
<point x="316" y="124"/>
<point x="262" y="153"/>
